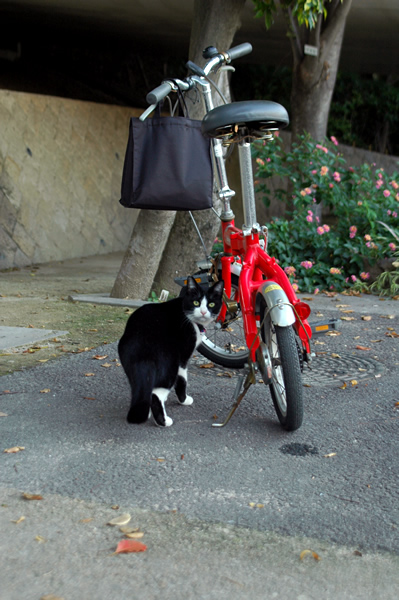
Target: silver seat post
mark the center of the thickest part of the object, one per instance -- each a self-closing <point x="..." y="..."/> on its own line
<point x="247" y="187"/>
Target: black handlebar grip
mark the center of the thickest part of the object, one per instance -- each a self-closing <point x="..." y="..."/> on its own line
<point x="239" y="51"/>
<point x="159" y="93"/>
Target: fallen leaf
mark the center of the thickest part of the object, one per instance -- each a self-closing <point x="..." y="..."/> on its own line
<point x="362" y="348"/>
<point x="333" y="333"/>
<point x="51" y="597"/>
<point x="335" y="355"/>
<point x="92" y="330"/>
<point x="392" y="334"/>
<point x="360" y="369"/>
<point x="357" y="553"/>
<point x="89" y="374"/>
<point x="121" y="520"/>
<point x="88" y="398"/>
<point x="136" y="535"/>
<point x="366" y="318"/>
<point x="14" y="449"/>
<point x="32" y="496"/>
<point x="354" y="382"/>
<point x="347" y="311"/>
<point x="342" y="305"/>
<point x="306" y="552"/>
<point x="3" y="414"/>
<point x="45" y="391"/>
<point x="347" y="318"/>
<point x="260" y="506"/>
<point x="307" y="299"/>
<point x="86" y="520"/>
<point x="343" y="387"/>
<point x="43" y="360"/>
<point x="19" y="520"/>
<point x="387" y="316"/>
<point x="127" y="530"/>
<point x="330" y="455"/>
<point x="106" y="365"/>
<point x="40" y="539"/>
<point x="100" y="356"/>
<point x="207" y="366"/>
<point x="126" y="546"/>
<point x="115" y="507"/>
<point x="375" y="341"/>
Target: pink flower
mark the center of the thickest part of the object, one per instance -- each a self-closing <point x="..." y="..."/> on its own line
<point x="336" y="176"/>
<point x="295" y="287"/>
<point x="316" y="291"/>
<point x="394" y="214"/>
<point x="309" y="219"/>
<point x="359" y="203"/>
<point x="331" y="185"/>
<point x="260" y="162"/>
<point x="364" y="275"/>
<point x="379" y="184"/>
<point x="394" y="185"/>
<point x="367" y="237"/>
<point x="307" y="264"/>
<point x="335" y="271"/>
<point x="354" y="278"/>
<point x="326" y="228"/>
<point x="290" y="270"/>
<point x="320" y="147"/>
<point x="392" y="246"/>
<point x="268" y="159"/>
<point x="320" y="230"/>
<point x="388" y="212"/>
<point x="314" y="171"/>
<point x="323" y="170"/>
<point x="386" y="193"/>
<point x="352" y="231"/>
<point x="334" y="140"/>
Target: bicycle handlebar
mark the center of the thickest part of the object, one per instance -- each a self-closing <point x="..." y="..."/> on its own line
<point x="160" y="92"/>
<point x="240" y="50"/>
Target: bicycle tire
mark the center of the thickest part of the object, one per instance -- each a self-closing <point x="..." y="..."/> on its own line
<point x="226" y="345"/>
<point x="286" y="387"/>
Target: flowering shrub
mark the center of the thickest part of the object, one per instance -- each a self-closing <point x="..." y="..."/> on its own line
<point x="363" y="207"/>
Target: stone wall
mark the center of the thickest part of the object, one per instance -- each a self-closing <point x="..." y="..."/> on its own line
<point x="61" y="163"/>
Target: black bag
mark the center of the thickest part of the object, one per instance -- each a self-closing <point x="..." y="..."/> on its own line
<point x="168" y="165"/>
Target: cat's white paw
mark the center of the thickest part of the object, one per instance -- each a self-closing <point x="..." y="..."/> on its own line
<point x="189" y="400"/>
<point x="168" y="421"/>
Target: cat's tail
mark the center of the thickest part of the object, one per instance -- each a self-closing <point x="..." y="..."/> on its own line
<point x="142" y="377"/>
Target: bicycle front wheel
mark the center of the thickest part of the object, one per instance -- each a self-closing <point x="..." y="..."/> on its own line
<point x="286" y="385"/>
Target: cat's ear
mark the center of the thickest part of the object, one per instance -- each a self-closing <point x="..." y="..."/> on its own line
<point x="218" y="287"/>
<point x="192" y="285"/>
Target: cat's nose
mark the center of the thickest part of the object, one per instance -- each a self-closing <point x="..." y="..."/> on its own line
<point x="203" y="311"/>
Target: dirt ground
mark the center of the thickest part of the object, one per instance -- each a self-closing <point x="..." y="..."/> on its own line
<point x="37" y="297"/>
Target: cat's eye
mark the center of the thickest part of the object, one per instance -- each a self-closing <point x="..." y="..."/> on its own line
<point x="196" y="303"/>
<point x="211" y="304"/>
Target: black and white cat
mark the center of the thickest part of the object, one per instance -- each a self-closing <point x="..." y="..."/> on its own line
<point x="157" y="344"/>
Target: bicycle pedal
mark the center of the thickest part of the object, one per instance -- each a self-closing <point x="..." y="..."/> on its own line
<point x="324" y="326"/>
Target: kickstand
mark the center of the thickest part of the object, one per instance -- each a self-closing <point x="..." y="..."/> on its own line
<point x="249" y="380"/>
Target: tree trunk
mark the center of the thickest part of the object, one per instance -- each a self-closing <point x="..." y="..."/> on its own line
<point x="215" y="23"/>
<point x="314" y="77"/>
<point x="143" y="254"/>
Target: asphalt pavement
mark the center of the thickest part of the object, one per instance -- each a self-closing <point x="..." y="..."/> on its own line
<point x="246" y="511"/>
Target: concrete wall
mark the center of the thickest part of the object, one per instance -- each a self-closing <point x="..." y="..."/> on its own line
<point x="60" y="172"/>
<point x="61" y="162"/>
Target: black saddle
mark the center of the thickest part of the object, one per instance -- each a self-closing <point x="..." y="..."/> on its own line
<point x="253" y="118"/>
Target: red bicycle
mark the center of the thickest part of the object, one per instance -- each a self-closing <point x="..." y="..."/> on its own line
<point x="262" y="327"/>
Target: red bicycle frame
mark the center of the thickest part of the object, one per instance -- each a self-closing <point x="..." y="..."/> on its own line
<point x="257" y="266"/>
